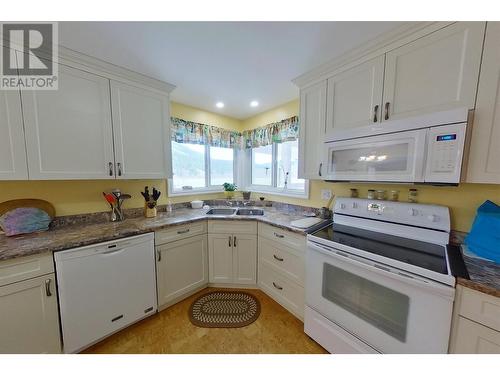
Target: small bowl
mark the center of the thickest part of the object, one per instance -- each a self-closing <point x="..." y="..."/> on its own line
<point x="196" y="204"/>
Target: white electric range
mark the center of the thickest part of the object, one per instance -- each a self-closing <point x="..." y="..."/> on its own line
<point x="378" y="279"/>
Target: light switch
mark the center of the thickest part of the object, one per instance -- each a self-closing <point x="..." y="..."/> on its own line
<point x="326" y="194"/>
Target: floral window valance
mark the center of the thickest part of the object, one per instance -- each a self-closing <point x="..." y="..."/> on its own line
<point x="183" y="131"/>
<point x="285" y="130"/>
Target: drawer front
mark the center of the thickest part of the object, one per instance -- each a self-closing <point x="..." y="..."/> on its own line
<point x="289" y="263"/>
<point x="232" y="226"/>
<point x="283" y="237"/>
<point x="179" y="232"/>
<point x="24" y="268"/>
<point x="474" y="338"/>
<point x="283" y="290"/>
<point x="481" y="308"/>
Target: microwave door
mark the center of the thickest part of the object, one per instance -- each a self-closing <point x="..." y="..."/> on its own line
<point x="396" y="157"/>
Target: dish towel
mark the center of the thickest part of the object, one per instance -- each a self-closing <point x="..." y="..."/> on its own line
<point x="484" y="237"/>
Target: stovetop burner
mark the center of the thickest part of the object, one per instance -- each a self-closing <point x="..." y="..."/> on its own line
<point x="416" y="253"/>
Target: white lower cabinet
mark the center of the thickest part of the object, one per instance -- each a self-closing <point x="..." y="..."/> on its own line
<point x="232" y="253"/>
<point x="476" y="323"/>
<point x="29" y="318"/>
<point x="182" y="267"/>
<point x="282" y="267"/>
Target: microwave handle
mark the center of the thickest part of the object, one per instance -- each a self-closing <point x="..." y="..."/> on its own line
<point x="376" y="268"/>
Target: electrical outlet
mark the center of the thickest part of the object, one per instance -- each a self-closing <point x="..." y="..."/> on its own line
<point x="326" y="194"/>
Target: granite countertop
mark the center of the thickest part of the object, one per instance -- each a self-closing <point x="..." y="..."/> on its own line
<point x="484" y="276"/>
<point x="70" y="236"/>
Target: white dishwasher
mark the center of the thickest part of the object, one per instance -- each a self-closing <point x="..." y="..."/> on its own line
<point x="104" y="287"/>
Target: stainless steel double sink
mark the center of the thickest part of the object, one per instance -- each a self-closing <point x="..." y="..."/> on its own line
<point x="236" y="211"/>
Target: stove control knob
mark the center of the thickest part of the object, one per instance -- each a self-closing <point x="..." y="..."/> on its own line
<point x="413" y="212"/>
<point x="342" y="206"/>
<point x="433" y="218"/>
<point x="354" y="205"/>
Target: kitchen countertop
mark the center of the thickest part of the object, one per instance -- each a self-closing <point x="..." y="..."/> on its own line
<point x="69" y="236"/>
<point x="484" y="275"/>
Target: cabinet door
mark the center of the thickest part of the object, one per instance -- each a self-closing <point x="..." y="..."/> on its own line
<point x="312" y="130"/>
<point x="355" y="96"/>
<point x="485" y="143"/>
<point x="473" y="338"/>
<point x="244" y="259"/>
<point x="434" y="73"/>
<point x="68" y="131"/>
<point x="141" y="131"/>
<point x="181" y="267"/>
<point x="30" y="321"/>
<point x="12" y="148"/>
<point x="220" y="258"/>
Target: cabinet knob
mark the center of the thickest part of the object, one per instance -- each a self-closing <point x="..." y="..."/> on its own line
<point x="234" y="241"/>
<point x="387" y="111"/>
<point x="110" y="166"/>
<point x="159" y="255"/>
<point x="319" y="171"/>
<point x="375" y="113"/>
<point x="119" y="165"/>
<point x="229" y="241"/>
<point x="47" y="287"/>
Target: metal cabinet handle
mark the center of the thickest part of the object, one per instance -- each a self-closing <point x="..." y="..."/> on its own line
<point x="277" y="286"/>
<point x="277" y="258"/>
<point x="110" y="166"/>
<point x="375" y="113"/>
<point x="183" y="231"/>
<point x="279" y="235"/>
<point x="159" y="255"/>
<point x="234" y="241"/>
<point x="230" y="241"/>
<point x="319" y="171"/>
<point x="387" y="111"/>
<point x="119" y="165"/>
<point x="47" y="287"/>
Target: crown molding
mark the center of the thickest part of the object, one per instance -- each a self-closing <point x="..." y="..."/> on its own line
<point x="388" y="41"/>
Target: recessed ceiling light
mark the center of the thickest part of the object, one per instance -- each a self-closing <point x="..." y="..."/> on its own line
<point x="254" y="103"/>
<point x="219" y="105"/>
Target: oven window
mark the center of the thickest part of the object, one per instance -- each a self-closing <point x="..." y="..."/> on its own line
<point x="378" y="158"/>
<point x="378" y="305"/>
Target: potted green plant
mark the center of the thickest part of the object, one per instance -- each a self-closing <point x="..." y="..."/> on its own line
<point x="229" y="189"/>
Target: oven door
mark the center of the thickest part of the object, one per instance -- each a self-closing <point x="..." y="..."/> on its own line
<point x="396" y="157"/>
<point x="389" y="309"/>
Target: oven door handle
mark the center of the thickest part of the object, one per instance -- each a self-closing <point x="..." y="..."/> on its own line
<point x="379" y="269"/>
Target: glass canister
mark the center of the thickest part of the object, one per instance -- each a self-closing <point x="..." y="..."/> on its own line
<point x="371" y="194"/>
<point x="412" y="196"/>
<point x="380" y="195"/>
<point x="394" y="195"/>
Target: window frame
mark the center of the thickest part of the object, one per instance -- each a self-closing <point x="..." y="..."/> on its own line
<point x="208" y="188"/>
<point x="273" y="189"/>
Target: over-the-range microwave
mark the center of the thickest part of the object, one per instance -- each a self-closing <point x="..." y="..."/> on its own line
<point x="429" y="149"/>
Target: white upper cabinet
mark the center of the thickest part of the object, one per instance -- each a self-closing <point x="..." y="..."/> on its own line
<point x="141" y="131"/>
<point x="484" y="157"/>
<point x="312" y="130"/>
<point x="434" y="73"/>
<point x="12" y="148"/>
<point x="355" y="96"/>
<point x="68" y="131"/>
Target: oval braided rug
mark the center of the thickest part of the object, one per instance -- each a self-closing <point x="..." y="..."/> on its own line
<point x="224" y="310"/>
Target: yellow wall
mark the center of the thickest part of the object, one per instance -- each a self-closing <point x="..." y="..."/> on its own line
<point x="74" y="197"/>
<point x="462" y="200"/>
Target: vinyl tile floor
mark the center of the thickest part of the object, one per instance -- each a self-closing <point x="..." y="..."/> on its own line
<point x="276" y="331"/>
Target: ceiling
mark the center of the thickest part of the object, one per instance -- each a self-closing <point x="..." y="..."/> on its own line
<point x="232" y="62"/>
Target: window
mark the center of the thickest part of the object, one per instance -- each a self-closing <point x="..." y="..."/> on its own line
<point x="275" y="168"/>
<point x="200" y="167"/>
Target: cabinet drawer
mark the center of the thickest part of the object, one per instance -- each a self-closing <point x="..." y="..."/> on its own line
<point x="289" y="263"/>
<point x="283" y="237"/>
<point x="473" y="338"/>
<point x="283" y="290"/>
<point x="24" y="268"/>
<point x="481" y="308"/>
<point x="232" y="227"/>
<point x="179" y="232"/>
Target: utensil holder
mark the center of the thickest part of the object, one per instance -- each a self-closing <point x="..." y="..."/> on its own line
<point x="150" y="212"/>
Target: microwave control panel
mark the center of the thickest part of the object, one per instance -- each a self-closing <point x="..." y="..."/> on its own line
<point x="445" y="145"/>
